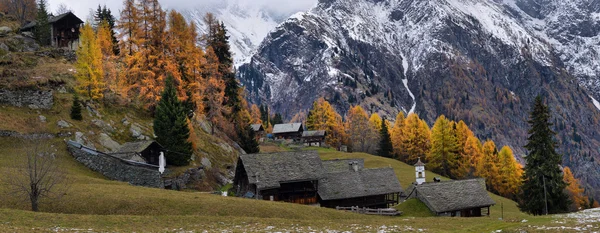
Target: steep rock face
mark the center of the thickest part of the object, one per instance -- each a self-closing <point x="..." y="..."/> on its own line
<point x="480" y="61"/>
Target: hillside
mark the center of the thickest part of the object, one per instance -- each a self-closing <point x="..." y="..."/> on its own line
<point x="479" y="61"/>
<point x="100" y="205"/>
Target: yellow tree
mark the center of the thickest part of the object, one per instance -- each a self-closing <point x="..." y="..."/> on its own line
<point x="488" y="167"/>
<point x="255" y="114"/>
<point x="213" y="102"/>
<point x="89" y="65"/>
<point x="443" y="155"/>
<point x="375" y="121"/>
<point x="463" y="161"/>
<point x="575" y="190"/>
<point x="397" y="134"/>
<point x="474" y="152"/>
<point x="510" y="172"/>
<point x="416" y="142"/>
<point x="299" y="117"/>
<point x="359" y="129"/>
<point x="324" y="117"/>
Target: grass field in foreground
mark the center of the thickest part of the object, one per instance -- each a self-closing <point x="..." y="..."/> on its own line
<point x="96" y="204"/>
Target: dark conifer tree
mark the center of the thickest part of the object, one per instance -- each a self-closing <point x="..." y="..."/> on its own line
<point x="76" y="108"/>
<point x="385" y="143"/>
<point x="247" y="139"/>
<point x="277" y="119"/>
<point x="104" y="14"/>
<point x="171" y="126"/>
<point x="543" y="179"/>
<point x="42" y="27"/>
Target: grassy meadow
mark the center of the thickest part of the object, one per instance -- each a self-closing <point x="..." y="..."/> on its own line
<point x="93" y="204"/>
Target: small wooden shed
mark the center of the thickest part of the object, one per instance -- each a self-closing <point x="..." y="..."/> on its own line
<point x="140" y="151"/>
<point x="64" y="30"/>
<point x="456" y="198"/>
<point x="259" y="131"/>
<point x="315" y="137"/>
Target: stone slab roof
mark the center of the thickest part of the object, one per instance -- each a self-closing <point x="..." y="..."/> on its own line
<point x="362" y="183"/>
<point x="454" y="195"/>
<point x="287" y="128"/>
<point x="267" y="171"/>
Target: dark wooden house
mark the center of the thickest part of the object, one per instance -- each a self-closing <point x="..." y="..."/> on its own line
<point x="259" y="131"/>
<point x="64" y="30"/>
<point x="314" y="138"/>
<point x="460" y="198"/>
<point x="286" y="176"/>
<point x="372" y="188"/>
<point x="288" y="131"/>
<point x="141" y="151"/>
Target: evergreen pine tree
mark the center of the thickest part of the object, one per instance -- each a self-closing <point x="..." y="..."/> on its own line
<point x="42" y="27"/>
<point x="385" y="142"/>
<point x="76" y="108"/>
<point x="171" y="126"/>
<point x="542" y="177"/>
<point x="248" y="140"/>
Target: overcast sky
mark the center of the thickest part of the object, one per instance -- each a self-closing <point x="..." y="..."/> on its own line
<point x="82" y="7"/>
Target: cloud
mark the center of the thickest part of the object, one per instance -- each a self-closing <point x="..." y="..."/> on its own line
<point x="281" y="7"/>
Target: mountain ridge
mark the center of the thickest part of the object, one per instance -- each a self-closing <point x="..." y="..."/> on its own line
<point x="478" y="61"/>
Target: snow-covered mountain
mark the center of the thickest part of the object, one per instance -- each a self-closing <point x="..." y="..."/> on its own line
<point x="482" y="61"/>
<point x="247" y="23"/>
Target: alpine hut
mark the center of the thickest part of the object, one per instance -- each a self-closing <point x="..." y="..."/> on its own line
<point x="288" y="131"/>
<point x="285" y="176"/>
<point x="356" y="186"/>
<point x="64" y="30"/>
<point x="316" y="137"/>
<point x="460" y="198"/>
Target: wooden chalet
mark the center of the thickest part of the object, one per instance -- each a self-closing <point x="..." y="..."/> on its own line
<point x="259" y="131"/>
<point x="64" y="30"/>
<point x="286" y="176"/>
<point x="316" y="138"/>
<point x="355" y="186"/>
<point x="288" y="131"/>
<point x="457" y="198"/>
<point x="141" y="151"/>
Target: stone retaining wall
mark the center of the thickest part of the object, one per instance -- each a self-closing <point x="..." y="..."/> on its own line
<point x="34" y="99"/>
<point x="115" y="168"/>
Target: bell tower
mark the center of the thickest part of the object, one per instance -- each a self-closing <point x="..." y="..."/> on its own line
<point x="420" y="171"/>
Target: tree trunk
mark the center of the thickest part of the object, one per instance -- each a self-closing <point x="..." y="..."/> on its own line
<point x="34" y="203"/>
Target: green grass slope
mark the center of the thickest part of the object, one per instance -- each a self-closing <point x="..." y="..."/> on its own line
<point x="93" y="202"/>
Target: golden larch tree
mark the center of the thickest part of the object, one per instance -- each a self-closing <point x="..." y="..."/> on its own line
<point x="89" y="65"/>
<point x="416" y="142"/>
<point x="359" y="130"/>
<point x="474" y="152"/>
<point x="255" y="113"/>
<point x="444" y="150"/>
<point x="580" y="201"/>
<point x="510" y="172"/>
<point x="396" y="134"/>
<point x="488" y="167"/>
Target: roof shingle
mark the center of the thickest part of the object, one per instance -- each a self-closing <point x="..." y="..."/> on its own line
<point x="287" y="128"/>
<point x="362" y="183"/>
<point x="269" y="170"/>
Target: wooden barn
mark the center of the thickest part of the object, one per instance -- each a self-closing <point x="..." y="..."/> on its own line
<point x="288" y="131"/>
<point x="356" y="186"/>
<point x="141" y="151"/>
<point x="64" y="30"/>
<point x="456" y="198"/>
<point x="314" y="138"/>
<point x="259" y="131"/>
<point x="286" y="176"/>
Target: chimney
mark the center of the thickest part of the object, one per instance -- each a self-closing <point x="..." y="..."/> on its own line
<point x="354" y="166"/>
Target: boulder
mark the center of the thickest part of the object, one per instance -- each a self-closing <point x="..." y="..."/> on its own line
<point x="136" y="130"/>
<point x="206" y="162"/>
<point x="4" y="31"/>
<point x="42" y="119"/>
<point x="63" y="124"/>
<point x="4" y="47"/>
<point x="103" y="125"/>
<point x="83" y="140"/>
<point x="107" y="142"/>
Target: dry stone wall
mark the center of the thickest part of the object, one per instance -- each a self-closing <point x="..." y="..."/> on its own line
<point x="115" y="168"/>
<point x="34" y="99"/>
